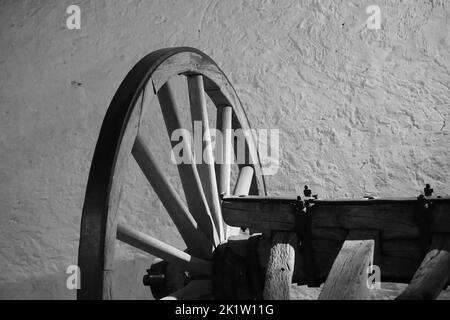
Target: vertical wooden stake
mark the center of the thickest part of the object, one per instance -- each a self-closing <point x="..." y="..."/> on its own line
<point x="347" y="279"/>
<point x="280" y="267"/>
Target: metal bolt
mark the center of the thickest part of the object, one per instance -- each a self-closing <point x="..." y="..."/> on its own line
<point x="307" y="192"/>
<point x="428" y="191"/>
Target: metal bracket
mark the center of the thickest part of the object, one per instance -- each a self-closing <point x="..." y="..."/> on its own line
<point x="160" y="278"/>
<point x="304" y="235"/>
<point x="424" y="214"/>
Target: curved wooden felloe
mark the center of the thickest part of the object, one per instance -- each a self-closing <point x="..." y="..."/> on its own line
<point x="199" y="220"/>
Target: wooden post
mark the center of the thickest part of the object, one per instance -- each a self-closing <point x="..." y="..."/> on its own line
<point x="347" y="279"/>
<point x="280" y="267"/>
<point x="433" y="274"/>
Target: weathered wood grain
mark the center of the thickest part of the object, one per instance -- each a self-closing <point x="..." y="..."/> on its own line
<point x="258" y="215"/>
<point x="348" y="276"/>
<point x="325" y="252"/>
<point x="410" y="249"/>
<point x="280" y="267"/>
<point x="360" y="234"/>
<point x="336" y="234"/>
<point x="395" y="219"/>
<point x="242" y="188"/>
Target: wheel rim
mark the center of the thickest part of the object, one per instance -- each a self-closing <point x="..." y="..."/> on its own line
<point x="198" y="221"/>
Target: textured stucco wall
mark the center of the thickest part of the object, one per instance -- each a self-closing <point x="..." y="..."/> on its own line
<point x="360" y="111"/>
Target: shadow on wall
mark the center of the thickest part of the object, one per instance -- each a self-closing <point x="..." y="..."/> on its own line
<point x="128" y="284"/>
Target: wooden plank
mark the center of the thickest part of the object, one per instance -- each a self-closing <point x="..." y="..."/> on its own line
<point x="162" y="250"/>
<point x="433" y="274"/>
<point x="97" y="238"/>
<point x="204" y="156"/>
<point x="258" y="215"/>
<point x="280" y="266"/>
<point x="194" y="238"/>
<point x="395" y="220"/>
<point x="343" y="201"/>
<point x="348" y="276"/>
<point x="190" y="179"/>
<point x="194" y="290"/>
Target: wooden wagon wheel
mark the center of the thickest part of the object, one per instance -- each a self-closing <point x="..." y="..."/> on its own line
<point x="199" y="221"/>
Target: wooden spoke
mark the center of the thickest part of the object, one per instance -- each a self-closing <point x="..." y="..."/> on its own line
<point x="98" y="223"/>
<point x="195" y="239"/>
<point x="195" y="290"/>
<point x="224" y="151"/>
<point x="244" y="181"/>
<point x="433" y="274"/>
<point x="348" y="278"/>
<point x="190" y="179"/>
<point x="280" y="267"/>
<point x="162" y="250"/>
<point x="367" y="234"/>
<point x="242" y="188"/>
<point x="203" y="152"/>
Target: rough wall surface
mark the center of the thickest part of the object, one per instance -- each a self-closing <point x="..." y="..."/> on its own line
<point x="360" y="111"/>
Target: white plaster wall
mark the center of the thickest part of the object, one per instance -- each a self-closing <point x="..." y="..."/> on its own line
<point x="360" y="111"/>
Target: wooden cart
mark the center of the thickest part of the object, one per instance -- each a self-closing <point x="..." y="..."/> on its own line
<point x="340" y="245"/>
